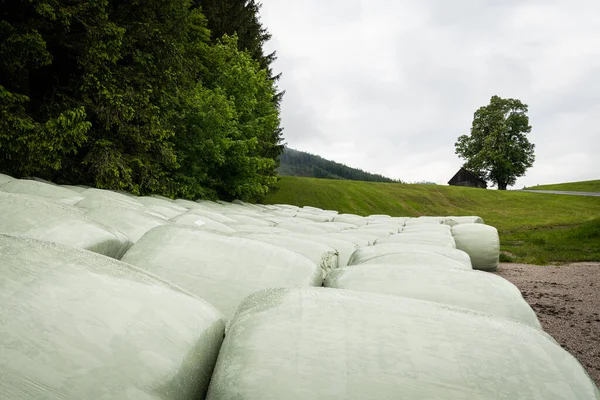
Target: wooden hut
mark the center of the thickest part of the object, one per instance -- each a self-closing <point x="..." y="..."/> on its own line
<point x="466" y="178"/>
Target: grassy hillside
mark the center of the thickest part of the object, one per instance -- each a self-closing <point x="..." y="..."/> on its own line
<point x="535" y="228"/>
<point x="583" y="186"/>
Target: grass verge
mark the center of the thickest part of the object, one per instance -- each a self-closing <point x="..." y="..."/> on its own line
<point x="583" y="186"/>
<point x="534" y="227"/>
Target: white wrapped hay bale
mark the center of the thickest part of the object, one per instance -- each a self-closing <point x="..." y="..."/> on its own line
<point x="40" y="189"/>
<point x="132" y="223"/>
<point x="344" y="248"/>
<point x="480" y="242"/>
<point x="308" y="227"/>
<point x="324" y="256"/>
<point x="427" y="238"/>
<point x="259" y="229"/>
<point x="418" y="259"/>
<point x="243" y="219"/>
<point x="351" y="219"/>
<point x="474" y="290"/>
<point x="213" y="215"/>
<point x="164" y="207"/>
<point x="361" y="239"/>
<point x="390" y="228"/>
<point x="425" y="228"/>
<point x="203" y="223"/>
<point x="77" y="325"/>
<point x="96" y="198"/>
<point x="5" y="179"/>
<point x="396" y="251"/>
<point x="315" y="217"/>
<point x="35" y="218"/>
<point x="319" y="343"/>
<point x="463" y="220"/>
<point x="220" y="269"/>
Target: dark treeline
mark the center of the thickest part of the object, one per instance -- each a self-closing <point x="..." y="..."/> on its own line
<point x="171" y="97"/>
<point x="299" y="163"/>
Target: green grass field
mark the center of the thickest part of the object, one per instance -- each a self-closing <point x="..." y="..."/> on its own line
<point x="583" y="186"/>
<point x="534" y="227"/>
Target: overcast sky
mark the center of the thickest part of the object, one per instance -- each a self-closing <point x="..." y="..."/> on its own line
<point x="388" y="85"/>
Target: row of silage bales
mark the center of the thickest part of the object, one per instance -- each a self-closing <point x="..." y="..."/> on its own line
<point x="41" y="218"/>
<point x="79" y="325"/>
<point x="435" y="283"/>
<point x="309" y="343"/>
<point x="201" y="256"/>
<point x="220" y="269"/>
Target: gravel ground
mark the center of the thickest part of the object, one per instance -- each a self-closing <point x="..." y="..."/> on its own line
<point x="567" y="301"/>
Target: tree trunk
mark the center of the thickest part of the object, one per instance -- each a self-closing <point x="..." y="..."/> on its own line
<point x="501" y="186"/>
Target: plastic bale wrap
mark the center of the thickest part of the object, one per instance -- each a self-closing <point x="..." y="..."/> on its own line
<point x="241" y="219"/>
<point x="475" y="290"/>
<point x="259" y="229"/>
<point x="351" y="219"/>
<point x="379" y="232"/>
<point x="220" y="269"/>
<point x="27" y="216"/>
<point x="480" y="242"/>
<point x="390" y="228"/>
<point x="44" y="190"/>
<point x="164" y="207"/>
<point x="463" y="220"/>
<point x="419" y="259"/>
<point x="77" y="189"/>
<point x="341" y="226"/>
<point x="315" y="217"/>
<point x="96" y="198"/>
<point x="77" y="325"/>
<point x="426" y="228"/>
<point x="203" y="223"/>
<point x="339" y="344"/>
<point x="5" y="179"/>
<point x="132" y="223"/>
<point x="304" y="228"/>
<point x="428" y="238"/>
<point x="344" y="248"/>
<point x="362" y="238"/>
<point x="394" y="251"/>
<point x="324" y="256"/>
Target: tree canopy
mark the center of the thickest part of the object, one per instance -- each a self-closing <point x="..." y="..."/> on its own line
<point x="137" y="96"/>
<point x="497" y="148"/>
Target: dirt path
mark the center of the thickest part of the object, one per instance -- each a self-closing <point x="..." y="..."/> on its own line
<point x="567" y="302"/>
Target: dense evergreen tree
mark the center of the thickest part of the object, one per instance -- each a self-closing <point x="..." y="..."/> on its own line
<point x="133" y="96"/>
<point x="300" y="163"/>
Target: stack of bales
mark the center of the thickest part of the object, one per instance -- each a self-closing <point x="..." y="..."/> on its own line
<point x="108" y="295"/>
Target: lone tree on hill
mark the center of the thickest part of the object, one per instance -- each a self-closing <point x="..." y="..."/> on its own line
<point x="498" y="149"/>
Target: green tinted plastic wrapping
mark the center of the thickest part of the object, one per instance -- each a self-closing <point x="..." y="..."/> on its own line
<point x="320" y="343"/>
<point x="351" y="219"/>
<point x="344" y="248"/>
<point x="27" y="216"/>
<point x="396" y="251"/>
<point x="420" y="237"/>
<point x="96" y="198"/>
<point x="5" y="179"/>
<point x="44" y="190"/>
<point x="222" y="270"/>
<point x="325" y="257"/>
<point x="480" y="242"/>
<point x="475" y="290"/>
<point x="203" y="223"/>
<point x="131" y="222"/>
<point x="78" y="325"/>
<point x="162" y="206"/>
